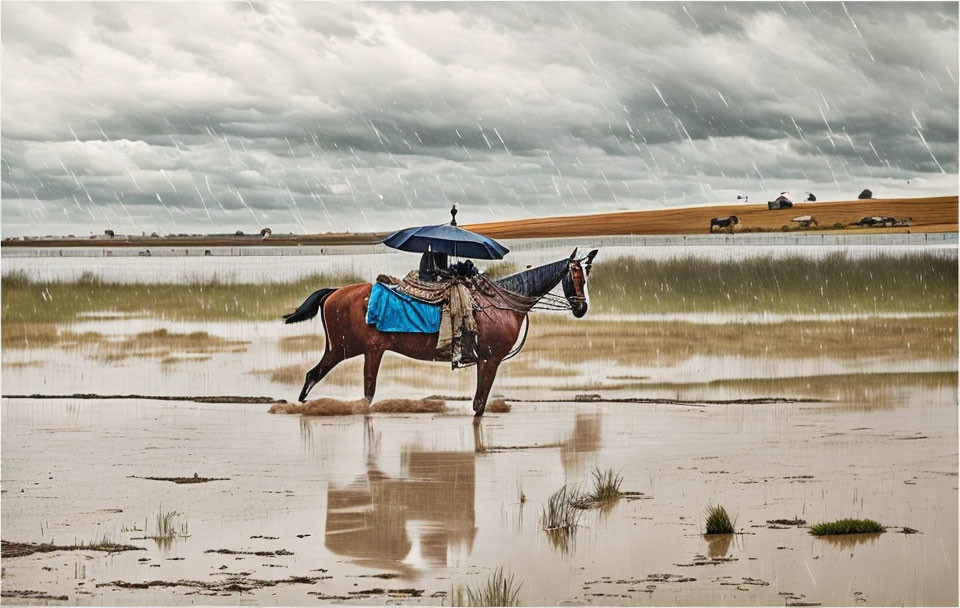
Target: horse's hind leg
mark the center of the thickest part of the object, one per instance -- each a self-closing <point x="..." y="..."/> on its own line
<point x="486" y="373"/>
<point x="328" y="362"/>
<point x="371" y="368"/>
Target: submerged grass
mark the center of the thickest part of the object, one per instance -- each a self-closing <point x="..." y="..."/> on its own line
<point x="718" y="522"/>
<point x="498" y="590"/>
<point x="847" y="526"/>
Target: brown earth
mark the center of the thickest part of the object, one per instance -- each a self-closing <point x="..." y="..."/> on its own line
<point x="934" y="214"/>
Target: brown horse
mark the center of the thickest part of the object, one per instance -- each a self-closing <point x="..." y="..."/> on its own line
<point x="343" y="313"/>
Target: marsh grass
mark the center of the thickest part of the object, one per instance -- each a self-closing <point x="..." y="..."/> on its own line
<point x="604" y="493"/>
<point x="15" y="549"/>
<point x="560" y="512"/>
<point x="498" y="590"/>
<point x="168" y="525"/>
<point x="323" y="406"/>
<point x="497" y="270"/>
<point x="834" y="283"/>
<point x="27" y="300"/>
<point x="160" y="343"/>
<point x="718" y="522"/>
<point x="847" y="526"/>
<point x="408" y="406"/>
<point x="630" y="343"/>
<point x="326" y="406"/>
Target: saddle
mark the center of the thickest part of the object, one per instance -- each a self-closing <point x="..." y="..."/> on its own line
<point x="457" y="337"/>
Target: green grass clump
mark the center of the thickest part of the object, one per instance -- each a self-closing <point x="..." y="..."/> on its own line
<point x="605" y="491"/>
<point x="847" y="526"/>
<point x="718" y="522"/>
<point x="498" y="590"/>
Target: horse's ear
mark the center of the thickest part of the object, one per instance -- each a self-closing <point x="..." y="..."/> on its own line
<point x="591" y="255"/>
<point x="573" y="255"/>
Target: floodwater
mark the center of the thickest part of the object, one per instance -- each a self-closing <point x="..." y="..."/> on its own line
<point x="400" y="508"/>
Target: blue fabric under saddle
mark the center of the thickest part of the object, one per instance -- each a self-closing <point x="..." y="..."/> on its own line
<point x="393" y="311"/>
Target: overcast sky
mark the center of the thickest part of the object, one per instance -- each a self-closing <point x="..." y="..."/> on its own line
<point x="318" y="117"/>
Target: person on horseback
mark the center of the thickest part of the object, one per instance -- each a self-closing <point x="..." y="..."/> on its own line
<point x="432" y="265"/>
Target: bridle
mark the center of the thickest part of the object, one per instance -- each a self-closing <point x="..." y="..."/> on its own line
<point x="578" y="280"/>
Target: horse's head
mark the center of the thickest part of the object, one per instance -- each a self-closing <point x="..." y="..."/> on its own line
<point x="575" y="282"/>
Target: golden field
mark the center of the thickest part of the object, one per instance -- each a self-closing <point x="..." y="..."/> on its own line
<point x="933" y="214"/>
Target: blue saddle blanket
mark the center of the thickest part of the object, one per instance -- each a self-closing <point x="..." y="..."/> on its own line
<point x="393" y="311"/>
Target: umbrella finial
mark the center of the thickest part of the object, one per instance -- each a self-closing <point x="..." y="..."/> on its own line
<point x="453" y="215"/>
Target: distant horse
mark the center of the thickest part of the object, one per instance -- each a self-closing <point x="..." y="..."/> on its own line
<point x="728" y="222"/>
<point x="343" y="313"/>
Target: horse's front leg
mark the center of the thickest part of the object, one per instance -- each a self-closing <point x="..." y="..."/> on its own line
<point x="486" y="373"/>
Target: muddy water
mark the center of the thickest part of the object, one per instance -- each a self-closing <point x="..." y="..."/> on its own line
<point x="399" y="508"/>
<point x="434" y="500"/>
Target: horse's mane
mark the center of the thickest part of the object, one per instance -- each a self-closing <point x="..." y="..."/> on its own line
<point x="535" y="282"/>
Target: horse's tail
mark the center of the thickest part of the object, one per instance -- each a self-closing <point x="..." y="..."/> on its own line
<point x="310" y="307"/>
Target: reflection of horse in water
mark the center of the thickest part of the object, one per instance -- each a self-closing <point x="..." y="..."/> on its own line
<point x="343" y="312"/>
<point x="418" y="516"/>
<point x="371" y="518"/>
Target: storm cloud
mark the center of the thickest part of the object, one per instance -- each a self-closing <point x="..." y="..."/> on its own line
<point x="213" y="117"/>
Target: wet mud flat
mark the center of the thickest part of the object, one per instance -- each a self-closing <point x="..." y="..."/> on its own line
<point x="400" y="508"/>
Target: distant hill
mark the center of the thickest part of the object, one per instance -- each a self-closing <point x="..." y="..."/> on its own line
<point x="934" y="214"/>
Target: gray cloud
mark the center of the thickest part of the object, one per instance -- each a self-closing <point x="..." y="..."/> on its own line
<point x="306" y="116"/>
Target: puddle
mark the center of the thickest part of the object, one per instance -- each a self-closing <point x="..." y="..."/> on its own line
<point x="422" y="501"/>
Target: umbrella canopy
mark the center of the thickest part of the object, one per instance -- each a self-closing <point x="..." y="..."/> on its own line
<point x="448" y="239"/>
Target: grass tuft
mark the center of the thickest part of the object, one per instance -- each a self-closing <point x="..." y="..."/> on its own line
<point x="498" y="590"/>
<point x="409" y="406"/>
<point x="605" y="491"/>
<point x="326" y="406"/>
<point x="718" y="522"/>
<point x="323" y="407"/>
<point x="847" y="526"/>
<point x="560" y="512"/>
<point x="169" y="525"/>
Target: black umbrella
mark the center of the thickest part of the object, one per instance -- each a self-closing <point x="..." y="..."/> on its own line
<point x="446" y="238"/>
